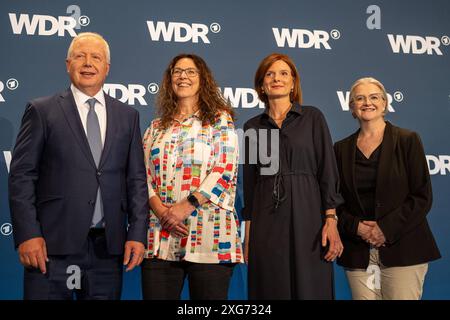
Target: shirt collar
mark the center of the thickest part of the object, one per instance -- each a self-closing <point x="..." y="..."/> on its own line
<point x="197" y="114"/>
<point x="296" y="108"/>
<point x="81" y="97"/>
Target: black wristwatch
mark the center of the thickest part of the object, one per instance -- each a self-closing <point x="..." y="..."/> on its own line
<point x="193" y="200"/>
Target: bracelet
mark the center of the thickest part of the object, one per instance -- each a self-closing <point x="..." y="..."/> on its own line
<point x="331" y="216"/>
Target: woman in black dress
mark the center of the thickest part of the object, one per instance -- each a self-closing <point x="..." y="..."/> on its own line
<point x="291" y="223"/>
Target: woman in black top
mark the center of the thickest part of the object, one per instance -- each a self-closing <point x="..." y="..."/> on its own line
<point x="387" y="191"/>
<point x="289" y="204"/>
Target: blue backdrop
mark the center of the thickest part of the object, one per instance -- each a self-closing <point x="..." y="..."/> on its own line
<point x="403" y="43"/>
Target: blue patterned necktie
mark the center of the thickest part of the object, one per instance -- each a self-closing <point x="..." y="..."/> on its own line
<point x="95" y="143"/>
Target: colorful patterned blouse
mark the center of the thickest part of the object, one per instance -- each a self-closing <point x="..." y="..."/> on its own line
<point x="189" y="157"/>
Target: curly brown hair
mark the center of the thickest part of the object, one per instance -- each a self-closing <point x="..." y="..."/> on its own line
<point x="211" y="100"/>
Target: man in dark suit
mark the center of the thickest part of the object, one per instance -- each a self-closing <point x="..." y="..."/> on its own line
<point x="77" y="185"/>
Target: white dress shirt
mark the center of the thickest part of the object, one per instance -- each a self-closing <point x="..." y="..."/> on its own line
<point x="83" y="109"/>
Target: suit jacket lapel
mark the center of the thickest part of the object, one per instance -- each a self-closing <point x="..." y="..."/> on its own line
<point x="348" y="166"/>
<point x="67" y="103"/>
<point x="110" y="129"/>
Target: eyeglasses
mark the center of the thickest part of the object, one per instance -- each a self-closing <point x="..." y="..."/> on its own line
<point x="374" y="98"/>
<point x="190" y="72"/>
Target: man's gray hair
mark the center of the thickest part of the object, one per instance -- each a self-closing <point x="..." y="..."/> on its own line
<point x="90" y="35"/>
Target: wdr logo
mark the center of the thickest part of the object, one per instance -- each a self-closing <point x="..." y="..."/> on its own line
<point x="181" y="32"/>
<point x="44" y="25"/>
<point x="11" y="84"/>
<point x="417" y="44"/>
<point x="303" y="38"/>
<point x="131" y="94"/>
<point x="438" y="164"/>
<point x="246" y="98"/>
<point x="344" y="100"/>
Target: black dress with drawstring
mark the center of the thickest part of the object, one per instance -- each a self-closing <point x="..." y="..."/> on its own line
<point x="286" y="204"/>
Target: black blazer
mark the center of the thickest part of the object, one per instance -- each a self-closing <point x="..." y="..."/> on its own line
<point x="53" y="177"/>
<point x="403" y="199"/>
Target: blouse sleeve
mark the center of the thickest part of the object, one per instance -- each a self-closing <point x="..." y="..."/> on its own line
<point x="327" y="172"/>
<point x="147" y="141"/>
<point x="220" y="184"/>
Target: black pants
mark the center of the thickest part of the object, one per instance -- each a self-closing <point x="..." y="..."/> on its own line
<point x="163" y="280"/>
<point x="93" y="274"/>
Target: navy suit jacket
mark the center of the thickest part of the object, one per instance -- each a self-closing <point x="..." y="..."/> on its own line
<point x="53" y="178"/>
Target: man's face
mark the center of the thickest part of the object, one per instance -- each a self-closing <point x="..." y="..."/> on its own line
<point x="87" y="65"/>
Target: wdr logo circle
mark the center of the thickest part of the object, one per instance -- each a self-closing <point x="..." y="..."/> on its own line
<point x="84" y="21"/>
<point x="6" y="229"/>
<point x="335" y="34"/>
<point x="12" y="84"/>
<point x="398" y="96"/>
<point x="215" y="27"/>
<point x="153" y="88"/>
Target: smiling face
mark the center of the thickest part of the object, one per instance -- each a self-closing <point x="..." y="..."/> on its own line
<point x="87" y="65"/>
<point x="185" y="79"/>
<point x="368" y="102"/>
<point x="278" y="81"/>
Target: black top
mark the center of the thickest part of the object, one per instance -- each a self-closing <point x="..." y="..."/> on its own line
<point x="285" y="205"/>
<point x="366" y="181"/>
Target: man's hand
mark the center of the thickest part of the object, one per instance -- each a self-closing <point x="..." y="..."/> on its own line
<point x="33" y="253"/>
<point x="134" y="251"/>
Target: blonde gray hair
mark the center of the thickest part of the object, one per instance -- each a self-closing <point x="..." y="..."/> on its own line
<point x="90" y="35"/>
<point x="367" y="80"/>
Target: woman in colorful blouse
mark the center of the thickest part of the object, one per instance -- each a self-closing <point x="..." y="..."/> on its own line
<point x="191" y="155"/>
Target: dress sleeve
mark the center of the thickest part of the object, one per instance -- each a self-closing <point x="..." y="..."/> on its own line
<point x="327" y="172"/>
<point x="220" y="184"/>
